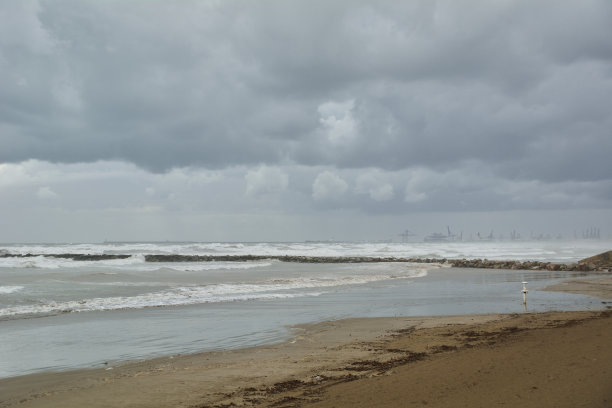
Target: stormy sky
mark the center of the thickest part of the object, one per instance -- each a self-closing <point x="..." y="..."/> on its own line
<point x="291" y="120"/>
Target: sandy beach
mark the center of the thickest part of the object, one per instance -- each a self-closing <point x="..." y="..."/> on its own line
<point x="298" y="204"/>
<point x="544" y="359"/>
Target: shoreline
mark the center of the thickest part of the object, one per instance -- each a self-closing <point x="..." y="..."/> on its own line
<point x="318" y="358"/>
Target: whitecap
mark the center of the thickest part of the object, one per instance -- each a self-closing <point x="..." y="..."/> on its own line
<point x="159" y="299"/>
<point x="49" y="262"/>
<point x="10" y="289"/>
<point x="274" y="288"/>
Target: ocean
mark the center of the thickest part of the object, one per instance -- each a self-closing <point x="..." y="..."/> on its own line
<point x="58" y="313"/>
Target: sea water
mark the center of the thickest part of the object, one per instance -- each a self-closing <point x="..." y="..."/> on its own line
<point x="58" y="314"/>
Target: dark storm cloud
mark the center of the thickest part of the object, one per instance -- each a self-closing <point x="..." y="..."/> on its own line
<point x="522" y="87"/>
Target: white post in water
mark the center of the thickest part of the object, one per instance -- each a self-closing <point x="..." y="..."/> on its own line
<point x="524" y="293"/>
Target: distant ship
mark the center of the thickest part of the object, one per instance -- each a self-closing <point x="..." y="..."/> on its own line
<point x="436" y="237"/>
<point x="439" y="237"/>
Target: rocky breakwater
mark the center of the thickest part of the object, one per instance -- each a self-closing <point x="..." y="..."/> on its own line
<point x="74" y="257"/>
<point x="601" y="262"/>
<point x="518" y="265"/>
<point x="598" y="263"/>
<point x="205" y="258"/>
<point x="283" y="258"/>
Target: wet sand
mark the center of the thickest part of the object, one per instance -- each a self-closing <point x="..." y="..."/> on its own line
<point x="546" y="359"/>
<point x="597" y="287"/>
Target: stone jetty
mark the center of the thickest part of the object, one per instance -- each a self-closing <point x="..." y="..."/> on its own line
<point x="74" y="257"/>
<point x="601" y="262"/>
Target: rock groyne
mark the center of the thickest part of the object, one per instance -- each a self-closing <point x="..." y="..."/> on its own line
<point x="601" y="262"/>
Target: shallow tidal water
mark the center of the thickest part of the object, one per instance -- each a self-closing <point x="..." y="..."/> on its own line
<point x="63" y="339"/>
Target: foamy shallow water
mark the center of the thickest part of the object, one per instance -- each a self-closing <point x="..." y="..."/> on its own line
<point x="40" y="292"/>
<point x="58" y="314"/>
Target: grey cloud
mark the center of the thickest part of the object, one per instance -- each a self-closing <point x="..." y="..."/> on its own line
<point x="266" y="180"/>
<point x="328" y="186"/>
<point x="117" y="200"/>
<point x="521" y="88"/>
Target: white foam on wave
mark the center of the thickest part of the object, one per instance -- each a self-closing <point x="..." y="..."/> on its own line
<point x="127" y="283"/>
<point x="207" y="266"/>
<point x="46" y="262"/>
<point x="10" y="289"/>
<point x="134" y="262"/>
<point x="499" y="250"/>
<point x="46" y="249"/>
<point x="278" y="288"/>
<point x="31" y="262"/>
<point x="197" y="266"/>
<point x="177" y="297"/>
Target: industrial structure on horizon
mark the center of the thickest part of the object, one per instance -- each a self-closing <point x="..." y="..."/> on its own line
<point x="591" y="233"/>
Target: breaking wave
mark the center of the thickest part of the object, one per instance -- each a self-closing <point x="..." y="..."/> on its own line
<point x="10" y="289"/>
<point x="134" y="262"/>
<point x="201" y="294"/>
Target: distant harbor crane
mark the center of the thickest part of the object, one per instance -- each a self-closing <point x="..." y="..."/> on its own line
<point x="591" y="233"/>
<point x="406" y="235"/>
